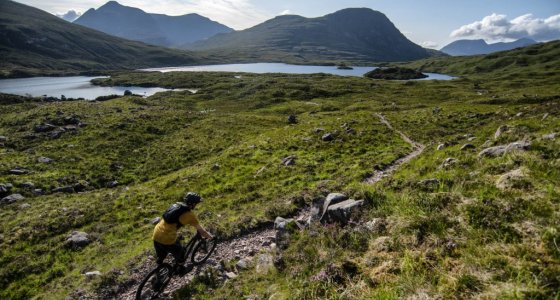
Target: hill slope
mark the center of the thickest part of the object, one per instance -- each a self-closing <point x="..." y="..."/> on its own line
<point x="35" y="42"/>
<point x="354" y="34"/>
<point x="476" y="47"/>
<point x="135" y="24"/>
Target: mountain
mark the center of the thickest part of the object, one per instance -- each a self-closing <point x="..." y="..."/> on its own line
<point x="35" y="42"/>
<point x="475" y="47"/>
<point x="70" y="16"/>
<point x="353" y="34"/>
<point x="135" y="24"/>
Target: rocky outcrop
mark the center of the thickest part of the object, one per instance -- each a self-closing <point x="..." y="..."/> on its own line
<point x="342" y="212"/>
<point x="504" y="149"/>
<point x="512" y="179"/>
<point x="11" y="199"/>
<point x="78" y="239"/>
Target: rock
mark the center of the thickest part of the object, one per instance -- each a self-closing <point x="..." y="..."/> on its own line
<point x="18" y="171"/>
<point x="3" y="139"/>
<point x="155" y="220"/>
<point x="519" y="114"/>
<point x="265" y="263"/>
<point x="342" y="212"/>
<point x="289" y="160"/>
<point x="11" y="199"/>
<point x="72" y="120"/>
<point x="472" y="138"/>
<point x="112" y="184"/>
<point x="64" y="189"/>
<point x="449" y="162"/>
<point x="511" y="179"/>
<point x="440" y="147"/>
<point x="487" y="144"/>
<point x="56" y="134"/>
<point x="436" y="110"/>
<point x="80" y="186"/>
<point x="43" y="127"/>
<point x="332" y="198"/>
<point x="428" y="181"/>
<point x="550" y="136"/>
<point x="545" y="116"/>
<point x="292" y="119"/>
<point x="327" y="137"/>
<point x="318" y="130"/>
<point x="281" y="223"/>
<point x="243" y="264"/>
<point x="92" y="274"/>
<point x="467" y="147"/>
<point x="500" y="131"/>
<point x="5" y="189"/>
<point x="215" y="167"/>
<point x="231" y="275"/>
<point x="24" y="206"/>
<point x="44" y="160"/>
<point x="38" y="191"/>
<point x="27" y="185"/>
<point x="377" y="225"/>
<point x="350" y="130"/>
<point x="78" y="239"/>
<point x="503" y="149"/>
<point x="381" y="244"/>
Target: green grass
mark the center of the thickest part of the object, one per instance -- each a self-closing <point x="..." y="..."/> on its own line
<point x="460" y="238"/>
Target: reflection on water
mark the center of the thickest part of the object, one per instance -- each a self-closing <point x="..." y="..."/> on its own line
<point x="261" y="68"/>
<point x="70" y="87"/>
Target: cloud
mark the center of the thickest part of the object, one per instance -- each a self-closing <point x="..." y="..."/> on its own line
<point x="429" y="44"/>
<point x="286" y="12"/>
<point x="498" y="28"/>
<point x="70" y="16"/>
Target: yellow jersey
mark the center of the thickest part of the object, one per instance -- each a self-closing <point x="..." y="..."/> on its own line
<point x="166" y="233"/>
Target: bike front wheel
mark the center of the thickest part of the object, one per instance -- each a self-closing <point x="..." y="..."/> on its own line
<point x="202" y="251"/>
<point x="154" y="283"/>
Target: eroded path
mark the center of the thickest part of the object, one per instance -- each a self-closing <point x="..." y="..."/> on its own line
<point x="249" y="244"/>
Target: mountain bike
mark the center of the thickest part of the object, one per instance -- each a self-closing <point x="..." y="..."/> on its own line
<point x="197" y="250"/>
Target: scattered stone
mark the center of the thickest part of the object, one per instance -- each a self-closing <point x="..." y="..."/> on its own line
<point x="545" y="116"/>
<point x="428" y="181"/>
<point x="281" y="223"/>
<point x="350" y="130"/>
<point x="72" y="120"/>
<point x="440" y="147"/>
<point x="11" y="199"/>
<point x="500" y="131"/>
<point x="64" y="189"/>
<point x="243" y="264"/>
<point x="38" y="191"/>
<point x="327" y="137"/>
<point x="215" y="167"/>
<point x="3" y="139"/>
<point x="265" y="263"/>
<point x="467" y="147"/>
<point x="449" y="162"/>
<point x="43" y="127"/>
<point x="231" y="275"/>
<point x="78" y="239"/>
<point x="382" y="244"/>
<point x="289" y="160"/>
<point x="519" y="114"/>
<point x="487" y="144"/>
<point x="5" y="189"/>
<point x="24" y="206"/>
<point x="511" y="179"/>
<point x="112" y="184"/>
<point x="332" y="198"/>
<point x="550" y="136"/>
<point x="27" y="185"/>
<point x="92" y="274"/>
<point x="342" y="212"/>
<point x="436" y="110"/>
<point x="44" y="160"/>
<point x="292" y="119"/>
<point x="377" y="225"/>
<point x="155" y="220"/>
<point x="18" y="172"/>
<point x="318" y="130"/>
<point x="503" y="149"/>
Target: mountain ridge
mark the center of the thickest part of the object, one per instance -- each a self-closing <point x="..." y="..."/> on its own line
<point x="477" y="47"/>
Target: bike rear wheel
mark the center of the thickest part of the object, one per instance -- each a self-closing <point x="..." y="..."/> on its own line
<point x="202" y="250"/>
<point x="154" y="283"/>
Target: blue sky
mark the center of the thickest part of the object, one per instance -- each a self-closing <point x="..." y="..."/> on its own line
<point x="431" y="23"/>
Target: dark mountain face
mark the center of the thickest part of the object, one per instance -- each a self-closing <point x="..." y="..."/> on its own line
<point x="33" y="41"/>
<point x="353" y="34"/>
<point x="135" y="24"/>
<point x="476" y="47"/>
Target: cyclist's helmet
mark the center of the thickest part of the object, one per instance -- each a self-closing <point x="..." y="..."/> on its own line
<point x="192" y="198"/>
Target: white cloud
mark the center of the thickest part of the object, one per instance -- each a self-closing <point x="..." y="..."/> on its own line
<point x="286" y="12"/>
<point x="70" y="16"/>
<point x="429" y="44"/>
<point x="498" y="28"/>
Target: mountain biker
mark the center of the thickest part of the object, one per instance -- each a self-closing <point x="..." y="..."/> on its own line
<point x="165" y="232"/>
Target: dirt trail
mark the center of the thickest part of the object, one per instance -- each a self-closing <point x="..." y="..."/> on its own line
<point x="417" y="149"/>
<point x="249" y="244"/>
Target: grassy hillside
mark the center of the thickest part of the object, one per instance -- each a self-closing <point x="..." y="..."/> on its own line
<point x="462" y="237"/>
<point x="35" y="42"/>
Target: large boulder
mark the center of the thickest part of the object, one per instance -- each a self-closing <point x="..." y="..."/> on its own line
<point x="44" y="160"/>
<point x="265" y="263"/>
<point x="512" y="179"/>
<point x="43" y="127"/>
<point x="5" y="189"/>
<point x="500" y="131"/>
<point x="332" y="198"/>
<point x="504" y="149"/>
<point x="78" y="239"/>
<point x="11" y="199"/>
<point x="342" y="212"/>
<point x="283" y="227"/>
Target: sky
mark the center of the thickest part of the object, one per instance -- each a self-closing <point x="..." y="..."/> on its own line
<point x="430" y="23"/>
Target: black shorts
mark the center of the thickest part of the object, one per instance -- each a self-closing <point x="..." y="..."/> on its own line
<point x="176" y="250"/>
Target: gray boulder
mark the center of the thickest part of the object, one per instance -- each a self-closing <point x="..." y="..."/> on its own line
<point x="265" y="263"/>
<point x="318" y="130"/>
<point x="11" y="199"/>
<point x="92" y="274"/>
<point x="503" y="149"/>
<point x="3" y="139"/>
<point x="64" y="189"/>
<point x="289" y="160"/>
<point x="467" y="147"/>
<point x="327" y="137"/>
<point x="440" y="147"/>
<point x="282" y="225"/>
<point x="428" y="182"/>
<point x="5" y="189"/>
<point x="24" y="206"/>
<point x="449" y="162"/>
<point x="243" y="264"/>
<point x="332" y="198"/>
<point x="78" y="239"/>
<point x="510" y="179"/>
<point x="550" y="136"/>
<point x="17" y="171"/>
<point x="27" y="185"/>
<point x="43" y="127"/>
<point x="44" y="160"/>
<point x="342" y="212"/>
<point x="377" y="225"/>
